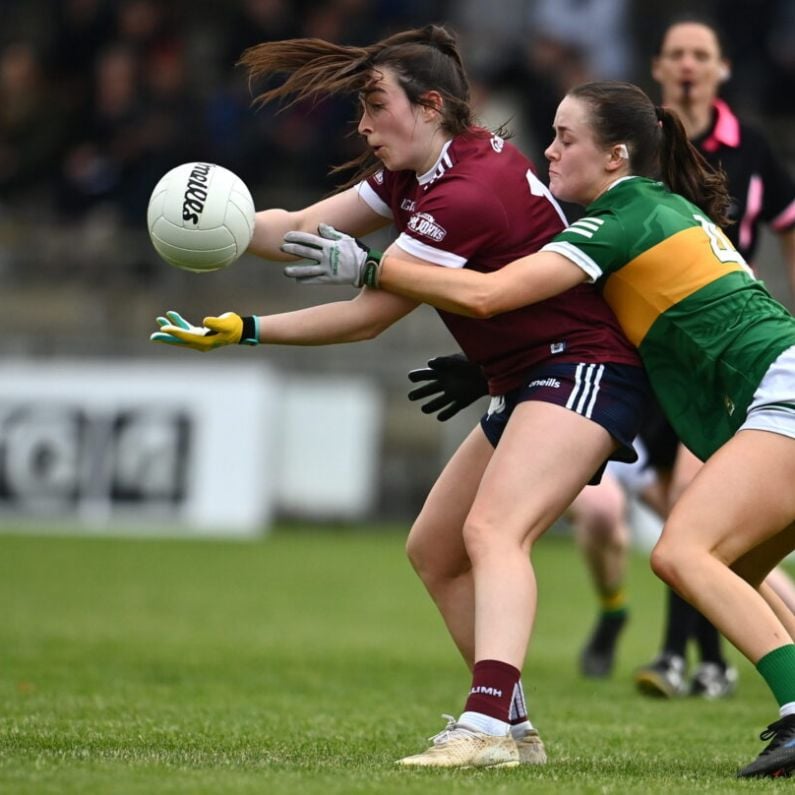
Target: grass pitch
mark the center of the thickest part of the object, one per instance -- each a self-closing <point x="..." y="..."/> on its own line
<point x="307" y="663"/>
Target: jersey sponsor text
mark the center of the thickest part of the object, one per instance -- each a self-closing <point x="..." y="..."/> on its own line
<point x="425" y="224"/>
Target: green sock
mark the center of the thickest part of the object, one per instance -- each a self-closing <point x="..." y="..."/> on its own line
<point x="613" y="603"/>
<point x="778" y="670"/>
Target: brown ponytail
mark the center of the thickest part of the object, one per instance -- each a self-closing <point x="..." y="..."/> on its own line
<point x="684" y="170"/>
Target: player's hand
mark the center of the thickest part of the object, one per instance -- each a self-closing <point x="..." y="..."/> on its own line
<point x="452" y="383"/>
<point x="227" y="329"/>
<point x="337" y="258"/>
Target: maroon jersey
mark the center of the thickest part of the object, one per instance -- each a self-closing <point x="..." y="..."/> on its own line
<point x="480" y="207"/>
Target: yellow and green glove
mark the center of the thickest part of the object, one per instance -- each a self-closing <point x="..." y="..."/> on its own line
<point x="227" y="329"/>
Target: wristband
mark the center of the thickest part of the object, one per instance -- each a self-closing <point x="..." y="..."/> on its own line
<point x="250" y="333"/>
<point x="371" y="269"/>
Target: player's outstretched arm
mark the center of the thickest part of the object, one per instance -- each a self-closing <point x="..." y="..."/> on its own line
<point x="339" y="259"/>
<point x="343" y="210"/>
<point x="361" y="318"/>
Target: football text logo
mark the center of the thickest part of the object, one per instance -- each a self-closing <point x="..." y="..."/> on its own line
<point x="195" y="193"/>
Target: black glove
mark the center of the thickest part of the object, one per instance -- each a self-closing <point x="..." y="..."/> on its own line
<point x="454" y="381"/>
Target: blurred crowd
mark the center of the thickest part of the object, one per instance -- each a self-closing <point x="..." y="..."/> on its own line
<point x="105" y="95"/>
<point x="98" y="98"/>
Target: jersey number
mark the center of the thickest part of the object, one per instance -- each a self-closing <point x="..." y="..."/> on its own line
<point x="720" y="244"/>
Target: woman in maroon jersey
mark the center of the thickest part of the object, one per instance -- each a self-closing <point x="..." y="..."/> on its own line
<point x="567" y="388"/>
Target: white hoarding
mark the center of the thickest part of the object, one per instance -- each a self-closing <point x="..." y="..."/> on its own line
<point x="183" y="448"/>
<point x="329" y="455"/>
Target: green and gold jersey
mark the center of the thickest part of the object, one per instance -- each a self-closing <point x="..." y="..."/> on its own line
<point x="706" y="329"/>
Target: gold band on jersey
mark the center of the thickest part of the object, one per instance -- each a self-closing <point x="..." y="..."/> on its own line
<point x="660" y="278"/>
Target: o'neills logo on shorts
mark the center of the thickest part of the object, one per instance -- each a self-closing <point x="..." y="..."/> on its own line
<point x="425" y="224"/>
<point x="196" y="193"/>
<point x="548" y="382"/>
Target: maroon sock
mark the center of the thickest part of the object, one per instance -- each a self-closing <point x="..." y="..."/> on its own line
<point x="493" y="683"/>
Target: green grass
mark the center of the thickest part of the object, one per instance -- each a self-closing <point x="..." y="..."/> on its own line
<point x="308" y="662"/>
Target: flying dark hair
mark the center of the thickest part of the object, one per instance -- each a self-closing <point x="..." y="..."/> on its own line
<point x="423" y="59"/>
<point x="657" y="144"/>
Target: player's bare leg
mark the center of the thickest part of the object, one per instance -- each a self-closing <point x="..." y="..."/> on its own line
<point x="518" y="499"/>
<point x="436" y="549"/>
<point x="520" y="496"/>
<point x="666" y="675"/>
<point x="739" y="511"/>
<point x="781" y="583"/>
<point x="435" y="545"/>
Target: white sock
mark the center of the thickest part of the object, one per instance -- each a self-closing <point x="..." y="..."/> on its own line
<point x="787" y="709"/>
<point x="518" y="730"/>
<point x="485" y="723"/>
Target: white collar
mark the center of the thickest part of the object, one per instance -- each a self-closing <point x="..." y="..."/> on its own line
<point x="425" y="178"/>
<point x="620" y="180"/>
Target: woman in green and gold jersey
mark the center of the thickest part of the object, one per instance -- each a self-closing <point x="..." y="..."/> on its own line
<point x="718" y="349"/>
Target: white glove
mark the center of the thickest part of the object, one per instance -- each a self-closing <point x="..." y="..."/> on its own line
<point x="338" y="258"/>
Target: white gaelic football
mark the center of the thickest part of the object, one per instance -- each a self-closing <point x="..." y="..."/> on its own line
<point x="200" y="217"/>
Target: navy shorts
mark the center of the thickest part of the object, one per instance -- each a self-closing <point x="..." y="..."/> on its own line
<point x="616" y="396"/>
